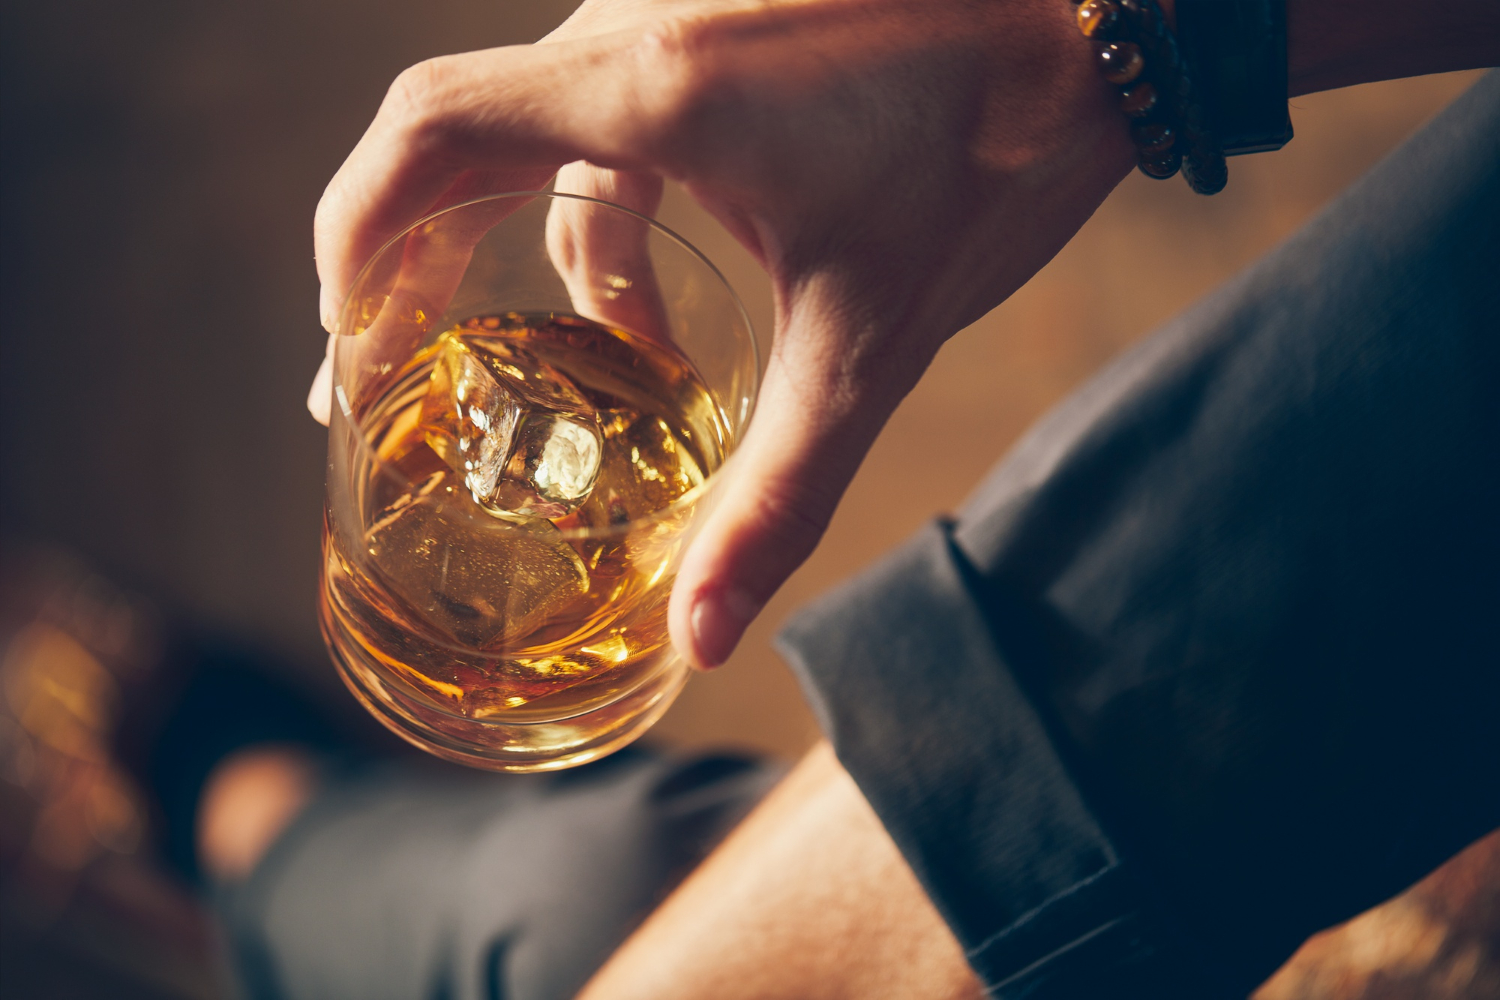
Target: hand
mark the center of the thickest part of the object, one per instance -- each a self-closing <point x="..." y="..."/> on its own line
<point x="899" y="167"/>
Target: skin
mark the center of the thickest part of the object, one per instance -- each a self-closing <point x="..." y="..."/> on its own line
<point x="816" y="898"/>
<point x="886" y="224"/>
<point x="899" y="168"/>
<point x="247" y="801"/>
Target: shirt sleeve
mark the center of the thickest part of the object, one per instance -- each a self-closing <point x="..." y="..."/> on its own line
<point x="1207" y="665"/>
<point x="928" y="718"/>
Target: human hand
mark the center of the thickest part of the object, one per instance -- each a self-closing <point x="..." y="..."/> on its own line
<point x="899" y="167"/>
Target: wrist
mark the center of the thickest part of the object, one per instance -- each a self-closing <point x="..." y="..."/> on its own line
<point x="1136" y="50"/>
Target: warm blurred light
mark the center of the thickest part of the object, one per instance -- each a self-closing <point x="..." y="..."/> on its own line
<point x="59" y="705"/>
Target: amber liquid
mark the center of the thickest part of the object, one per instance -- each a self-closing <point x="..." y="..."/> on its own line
<point x="489" y="619"/>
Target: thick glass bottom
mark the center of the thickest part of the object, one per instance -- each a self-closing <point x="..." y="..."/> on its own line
<point x="495" y="745"/>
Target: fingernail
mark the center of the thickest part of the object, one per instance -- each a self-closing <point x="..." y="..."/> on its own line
<point x="320" y="396"/>
<point x="719" y="619"/>
<point x="328" y="311"/>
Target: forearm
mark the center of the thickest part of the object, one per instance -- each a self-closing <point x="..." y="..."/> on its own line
<point x="1338" y="43"/>
<point x="808" y="900"/>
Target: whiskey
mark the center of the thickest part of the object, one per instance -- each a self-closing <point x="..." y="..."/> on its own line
<point x="516" y="547"/>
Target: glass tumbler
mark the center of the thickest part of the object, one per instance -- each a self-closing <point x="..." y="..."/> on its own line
<point x="535" y="395"/>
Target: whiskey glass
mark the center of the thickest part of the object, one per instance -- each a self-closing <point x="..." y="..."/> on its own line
<point x="535" y="395"/>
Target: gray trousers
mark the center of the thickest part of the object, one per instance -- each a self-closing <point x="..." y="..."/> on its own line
<point x="1211" y="662"/>
<point x="424" y="881"/>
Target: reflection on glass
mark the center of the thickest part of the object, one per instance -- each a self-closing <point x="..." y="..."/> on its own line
<point x="512" y="482"/>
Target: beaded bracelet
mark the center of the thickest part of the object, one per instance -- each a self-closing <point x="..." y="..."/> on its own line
<point x="1137" y="51"/>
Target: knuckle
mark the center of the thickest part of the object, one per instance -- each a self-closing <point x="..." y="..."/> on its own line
<point x="420" y="94"/>
<point x="678" y="42"/>
<point x="685" y="80"/>
<point x="432" y="108"/>
<point x="415" y="86"/>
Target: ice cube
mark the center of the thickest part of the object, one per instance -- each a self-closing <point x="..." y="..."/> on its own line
<point x="483" y="581"/>
<point x="469" y="417"/>
<point x="645" y="468"/>
<point x="523" y="437"/>
<point x="552" y="469"/>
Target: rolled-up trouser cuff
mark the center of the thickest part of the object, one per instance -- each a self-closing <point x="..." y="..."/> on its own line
<point x="924" y="713"/>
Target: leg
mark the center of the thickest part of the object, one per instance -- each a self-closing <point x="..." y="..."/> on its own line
<point x="1208" y="664"/>
<point x="424" y="880"/>
<point x="808" y="899"/>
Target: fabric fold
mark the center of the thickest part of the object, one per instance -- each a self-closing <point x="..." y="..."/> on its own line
<point x="904" y="677"/>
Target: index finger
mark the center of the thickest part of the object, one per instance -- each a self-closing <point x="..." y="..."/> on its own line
<point x="459" y="126"/>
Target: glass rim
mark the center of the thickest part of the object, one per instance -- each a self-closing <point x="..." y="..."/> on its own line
<point x="688" y="499"/>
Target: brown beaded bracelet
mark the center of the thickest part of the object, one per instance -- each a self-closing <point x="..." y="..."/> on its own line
<point x="1136" y="51"/>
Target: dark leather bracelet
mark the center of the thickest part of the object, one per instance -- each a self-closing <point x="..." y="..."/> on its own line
<point x="1236" y="52"/>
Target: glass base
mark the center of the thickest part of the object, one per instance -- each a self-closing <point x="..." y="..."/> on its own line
<point x="541" y="745"/>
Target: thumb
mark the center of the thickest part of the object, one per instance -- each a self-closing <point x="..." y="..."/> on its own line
<point x="818" y="413"/>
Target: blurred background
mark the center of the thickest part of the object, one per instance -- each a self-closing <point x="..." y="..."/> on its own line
<point x="161" y="162"/>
